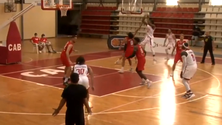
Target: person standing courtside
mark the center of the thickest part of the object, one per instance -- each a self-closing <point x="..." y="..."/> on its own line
<point x="75" y="96"/>
<point x="208" y="46"/>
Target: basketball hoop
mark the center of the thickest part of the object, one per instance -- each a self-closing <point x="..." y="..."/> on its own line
<point x="63" y="10"/>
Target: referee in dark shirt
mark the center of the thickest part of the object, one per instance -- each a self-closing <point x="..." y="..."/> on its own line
<point x="75" y="96"/>
<point x="208" y="46"/>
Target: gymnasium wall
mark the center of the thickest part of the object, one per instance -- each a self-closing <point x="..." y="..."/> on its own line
<point x="34" y="21"/>
<point x="39" y="21"/>
<point x="4" y="17"/>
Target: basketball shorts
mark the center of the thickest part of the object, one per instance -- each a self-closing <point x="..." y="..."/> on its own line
<point x="74" y="119"/>
<point x="64" y="60"/>
<point x="84" y="80"/>
<point x="170" y="46"/>
<point x="189" y="71"/>
<point x="129" y="52"/>
<point x="141" y="64"/>
<point x="177" y="58"/>
<point x="148" y="41"/>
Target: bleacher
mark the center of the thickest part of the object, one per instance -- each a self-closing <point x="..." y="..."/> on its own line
<point x="213" y="21"/>
<point x="178" y="19"/>
<point x="108" y="20"/>
<point x="97" y="20"/>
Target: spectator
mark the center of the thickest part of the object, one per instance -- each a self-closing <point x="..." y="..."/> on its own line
<point x="195" y="36"/>
<point x="74" y="95"/>
<point x="208" y="46"/>
<point x="35" y="41"/>
<point x="47" y="43"/>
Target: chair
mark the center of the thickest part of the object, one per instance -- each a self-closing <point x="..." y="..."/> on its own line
<point x="209" y="9"/>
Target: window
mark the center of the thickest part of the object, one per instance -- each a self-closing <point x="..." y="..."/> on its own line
<point x="215" y="2"/>
<point x="171" y="2"/>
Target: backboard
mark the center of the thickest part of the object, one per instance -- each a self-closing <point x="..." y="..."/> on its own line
<point x="131" y="7"/>
<point x="56" y="4"/>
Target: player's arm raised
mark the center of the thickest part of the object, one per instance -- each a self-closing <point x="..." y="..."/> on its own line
<point x="91" y="77"/>
<point x="183" y="56"/>
<point x="67" y="53"/>
<point x="142" y="22"/>
<point x="149" y="22"/>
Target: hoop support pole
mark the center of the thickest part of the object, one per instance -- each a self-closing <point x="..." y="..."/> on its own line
<point x="16" y="16"/>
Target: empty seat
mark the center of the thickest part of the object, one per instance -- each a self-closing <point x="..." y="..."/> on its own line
<point x="218" y="34"/>
<point x="213" y="28"/>
<point x="213" y="15"/>
<point x="209" y="9"/>
<point x="150" y="9"/>
<point x="219" y="28"/>
<point x="219" y="21"/>
<point x="203" y="9"/>
<point x="207" y="15"/>
<point x="145" y="8"/>
<point x="207" y="28"/>
<point x="220" y="9"/>
<point x="219" y="15"/>
<point x="215" y="9"/>
<point x="213" y="21"/>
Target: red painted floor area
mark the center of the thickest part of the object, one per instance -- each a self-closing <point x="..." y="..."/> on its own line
<point x="106" y="80"/>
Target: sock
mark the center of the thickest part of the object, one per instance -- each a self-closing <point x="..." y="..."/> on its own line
<point x="122" y="68"/>
<point x="66" y="79"/>
<point x="186" y="84"/>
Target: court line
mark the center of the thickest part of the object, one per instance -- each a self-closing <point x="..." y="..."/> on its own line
<point x="15" y="93"/>
<point x="126" y="111"/>
<point x="122" y="95"/>
<point x="50" y="86"/>
<point x="125" y="104"/>
<point x="30" y="59"/>
<point x="139" y="86"/>
<point x="95" y="76"/>
<point x="46" y="67"/>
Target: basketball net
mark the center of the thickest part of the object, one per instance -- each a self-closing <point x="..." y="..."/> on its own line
<point x="63" y="10"/>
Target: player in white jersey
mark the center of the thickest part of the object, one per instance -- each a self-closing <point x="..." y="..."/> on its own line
<point x="189" y="68"/>
<point x="149" y="38"/>
<point x="171" y="42"/>
<point x="83" y="70"/>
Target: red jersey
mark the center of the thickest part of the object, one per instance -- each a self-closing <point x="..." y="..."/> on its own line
<point x="179" y="45"/>
<point x="35" y="40"/>
<point x="66" y="47"/>
<point x="140" y="53"/>
<point x="129" y="44"/>
<point x="44" y="40"/>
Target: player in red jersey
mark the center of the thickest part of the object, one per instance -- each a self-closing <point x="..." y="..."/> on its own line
<point x="36" y="42"/>
<point x="140" y="54"/>
<point x="128" y="49"/>
<point x="47" y="43"/>
<point x="179" y="49"/>
<point x="65" y="58"/>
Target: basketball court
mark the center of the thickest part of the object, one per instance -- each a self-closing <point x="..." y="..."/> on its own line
<point x="31" y="89"/>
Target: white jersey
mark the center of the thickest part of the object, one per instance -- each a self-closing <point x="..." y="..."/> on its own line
<point x="190" y="65"/>
<point x="170" y="38"/>
<point x="150" y="32"/>
<point x="190" y="58"/>
<point x="82" y="70"/>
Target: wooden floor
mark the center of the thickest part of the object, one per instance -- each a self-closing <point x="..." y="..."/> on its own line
<point x="28" y="91"/>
